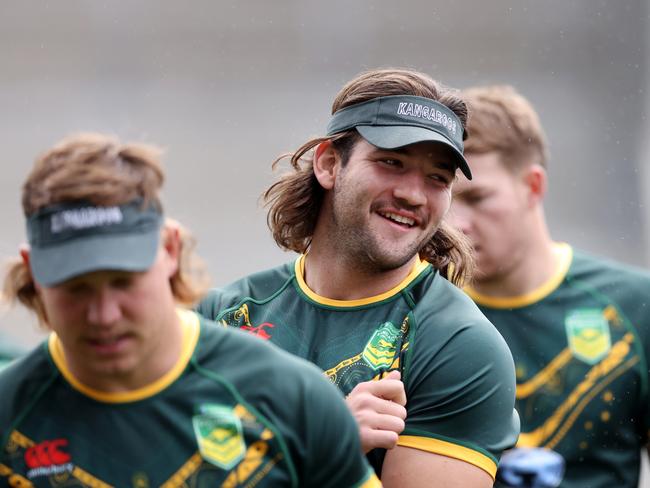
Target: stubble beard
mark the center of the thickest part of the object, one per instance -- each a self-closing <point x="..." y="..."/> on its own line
<point x="361" y="248"/>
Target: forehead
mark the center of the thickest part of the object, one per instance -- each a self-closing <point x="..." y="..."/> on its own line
<point x="487" y="169"/>
<point x="435" y="154"/>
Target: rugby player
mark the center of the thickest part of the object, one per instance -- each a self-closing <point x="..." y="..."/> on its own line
<point x="578" y="326"/>
<point x="130" y="388"/>
<point x="371" y="298"/>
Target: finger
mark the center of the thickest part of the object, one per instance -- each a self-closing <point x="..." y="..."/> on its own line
<point x="384" y="439"/>
<point x="371" y="404"/>
<point x="390" y="389"/>
<point x="388" y="422"/>
<point x="393" y="375"/>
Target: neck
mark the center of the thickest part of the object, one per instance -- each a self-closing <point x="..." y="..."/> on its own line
<point x="337" y="278"/>
<point x="536" y="264"/>
<point x="158" y="360"/>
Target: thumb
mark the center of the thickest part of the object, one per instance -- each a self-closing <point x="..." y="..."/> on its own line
<point x="393" y="375"/>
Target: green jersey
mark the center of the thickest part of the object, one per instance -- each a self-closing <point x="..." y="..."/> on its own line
<point x="232" y="412"/>
<point x="580" y="343"/>
<point x="8" y="351"/>
<point x="457" y="370"/>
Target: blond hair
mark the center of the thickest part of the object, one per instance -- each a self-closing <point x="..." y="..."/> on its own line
<point x="294" y="201"/>
<point x="99" y="169"/>
<point x="503" y="121"/>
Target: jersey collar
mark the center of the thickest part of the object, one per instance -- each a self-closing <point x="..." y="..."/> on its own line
<point x="563" y="251"/>
<point x="299" y="268"/>
<point x="191" y="330"/>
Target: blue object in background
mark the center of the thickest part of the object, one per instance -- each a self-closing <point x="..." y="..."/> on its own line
<point x="531" y="468"/>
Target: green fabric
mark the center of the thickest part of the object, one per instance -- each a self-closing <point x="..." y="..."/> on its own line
<point x="600" y="396"/>
<point x="8" y="351"/>
<point x="458" y="372"/>
<point x="287" y="429"/>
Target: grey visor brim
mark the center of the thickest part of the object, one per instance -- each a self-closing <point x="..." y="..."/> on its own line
<point x="54" y="264"/>
<point x="393" y="137"/>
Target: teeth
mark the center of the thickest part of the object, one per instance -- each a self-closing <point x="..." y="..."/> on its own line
<point x="399" y="218"/>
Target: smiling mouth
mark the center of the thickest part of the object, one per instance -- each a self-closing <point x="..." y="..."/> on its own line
<point x="399" y="219"/>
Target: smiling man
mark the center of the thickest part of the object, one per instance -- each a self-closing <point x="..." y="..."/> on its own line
<point x="430" y="381"/>
<point x="130" y="389"/>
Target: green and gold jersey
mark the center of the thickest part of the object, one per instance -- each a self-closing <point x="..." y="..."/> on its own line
<point x="233" y="412"/>
<point x="457" y="370"/>
<point x="8" y="351"/>
<point x="580" y="344"/>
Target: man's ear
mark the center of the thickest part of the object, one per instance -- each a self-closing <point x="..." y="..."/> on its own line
<point x="535" y="180"/>
<point x="325" y="164"/>
<point x="25" y="256"/>
<point x="172" y="244"/>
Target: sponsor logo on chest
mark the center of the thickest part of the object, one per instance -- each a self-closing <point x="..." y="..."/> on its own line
<point x="48" y="458"/>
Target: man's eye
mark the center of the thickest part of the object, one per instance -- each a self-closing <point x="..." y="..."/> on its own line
<point x="390" y="162"/>
<point x="441" y="178"/>
<point x="78" y="288"/>
<point x="122" y="282"/>
<point x="472" y="199"/>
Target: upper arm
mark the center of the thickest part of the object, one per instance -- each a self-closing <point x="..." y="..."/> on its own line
<point x="209" y="305"/>
<point x="405" y="467"/>
<point x="461" y="395"/>
<point x="332" y="449"/>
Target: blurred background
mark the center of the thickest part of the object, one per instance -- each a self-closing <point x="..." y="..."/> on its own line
<point x="226" y="86"/>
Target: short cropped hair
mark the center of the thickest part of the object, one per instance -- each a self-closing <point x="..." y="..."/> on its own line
<point x="501" y="120"/>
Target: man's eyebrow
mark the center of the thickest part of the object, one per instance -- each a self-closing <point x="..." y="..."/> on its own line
<point x="437" y="163"/>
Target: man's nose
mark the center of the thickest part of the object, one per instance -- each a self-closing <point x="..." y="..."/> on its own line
<point x="410" y="188"/>
<point x="103" y="307"/>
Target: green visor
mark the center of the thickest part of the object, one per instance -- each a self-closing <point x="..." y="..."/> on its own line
<point x="72" y="239"/>
<point x="397" y="121"/>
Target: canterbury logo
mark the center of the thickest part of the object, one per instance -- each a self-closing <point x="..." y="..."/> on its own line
<point x="48" y="458"/>
<point x="259" y="330"/>
<point x="47" y="453"/>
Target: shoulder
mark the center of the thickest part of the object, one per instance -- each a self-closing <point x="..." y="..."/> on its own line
<point x="610" y="282"/>
<point x="22" y="381"/>
<point x="269" y="379"/>
<point x="442" y="310"/>
<point x="606" y="273"/>
<point x="258" y="286"/>
<point x="254" y="365"/>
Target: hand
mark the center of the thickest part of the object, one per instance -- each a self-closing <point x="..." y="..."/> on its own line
<point x="378" y="407"/>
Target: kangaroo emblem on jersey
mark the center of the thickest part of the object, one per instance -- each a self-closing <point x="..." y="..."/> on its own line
<point x="588" y="334"/>
<point x="380" y="349"/>
<point x="218" y="432"/>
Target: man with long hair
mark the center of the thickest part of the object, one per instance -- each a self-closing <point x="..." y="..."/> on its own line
<point x="371" y="297"/>
<point x="578" y="326"/>
<point x="130" y="388"/>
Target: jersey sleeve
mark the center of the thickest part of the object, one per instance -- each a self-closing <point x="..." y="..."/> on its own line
<point x="460" y="387"/>
<point x="333" y="456"/>
<point x="210" y="305"/>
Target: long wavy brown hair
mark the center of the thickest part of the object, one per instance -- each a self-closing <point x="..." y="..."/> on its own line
<point x="294" y="201"/>
<point x="99" y="169"/>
